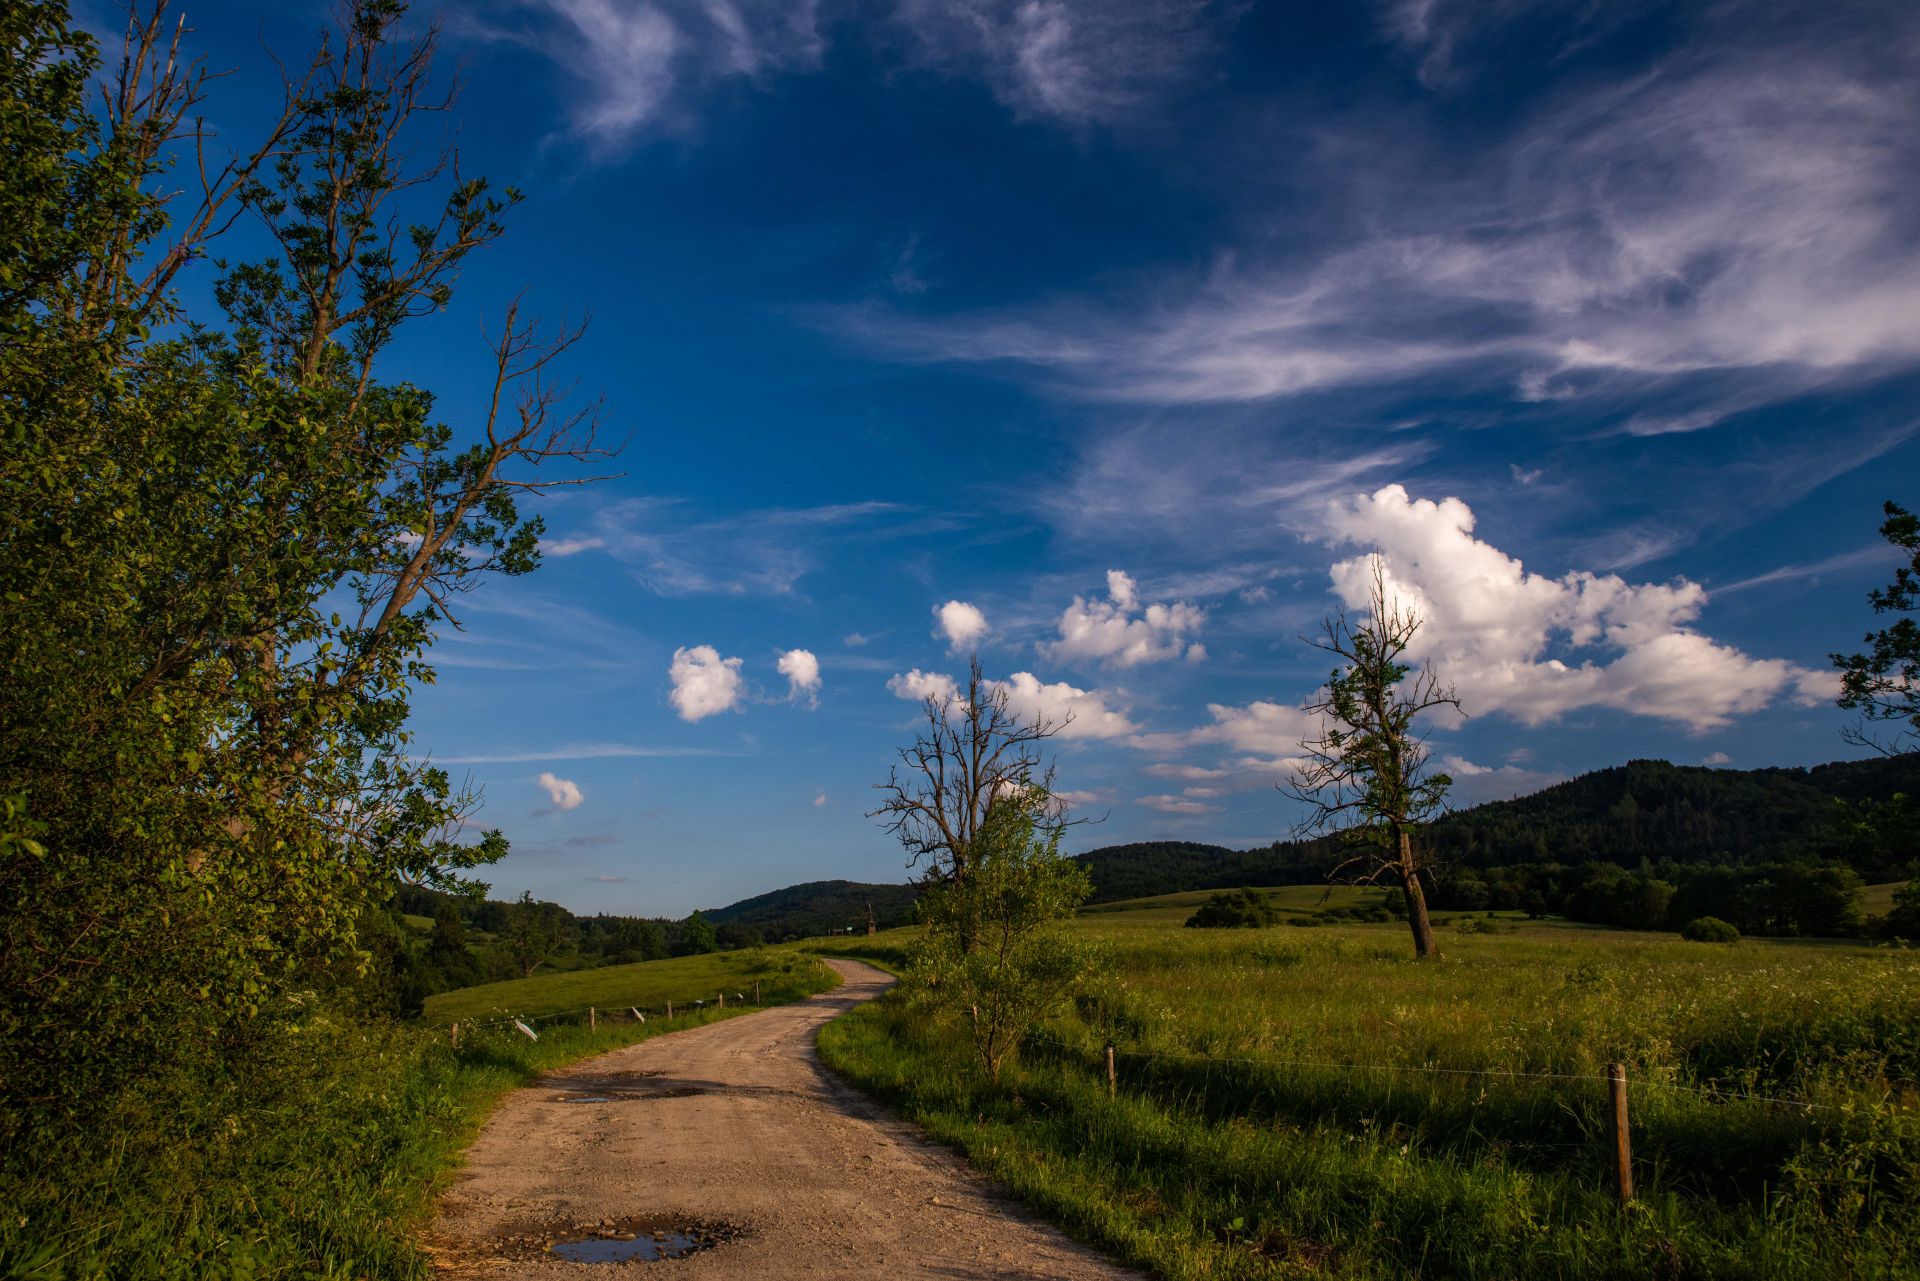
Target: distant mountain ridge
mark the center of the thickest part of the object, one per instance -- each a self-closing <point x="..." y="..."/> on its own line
<point x="1643" y="811"/>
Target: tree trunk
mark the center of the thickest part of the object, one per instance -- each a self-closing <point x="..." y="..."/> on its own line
<point x="1424" y="945"/>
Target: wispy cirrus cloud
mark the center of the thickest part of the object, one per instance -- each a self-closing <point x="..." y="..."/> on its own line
<point x="1077" y="61"/>
<point x="1744" y="203"/>
<point x="673" y="550"/>
<point x="633" y="63"/>
<point x="576" y="752"/>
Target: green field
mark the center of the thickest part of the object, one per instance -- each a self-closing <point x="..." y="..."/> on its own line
<point x="1312" y="1102"/>
<point x="646" y="984"/>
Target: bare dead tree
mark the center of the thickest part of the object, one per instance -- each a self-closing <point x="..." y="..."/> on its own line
<point x="973" y="753"/>
<point x="1365" y="775"/>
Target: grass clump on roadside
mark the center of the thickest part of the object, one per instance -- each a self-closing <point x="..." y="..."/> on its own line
<point x="323" y="1159"/>
<point x="1316" y="1104"/>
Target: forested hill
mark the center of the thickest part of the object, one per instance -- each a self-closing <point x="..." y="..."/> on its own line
<point x="817" y="907"/>
<point x="1650" y="811"/>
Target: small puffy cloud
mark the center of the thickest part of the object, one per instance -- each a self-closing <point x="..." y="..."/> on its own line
<point x="1073" y="798"/>
<point x="1080" y="713"/>
<point x="570" y="546"/>
<point x="819" y="799"/>
<point x="1186" y="773"/>
<point x="802" y="671"/>
<point x="1535" y="647"/>
<point x="1717" y="759"/>
<point x="1175" y="804"/>
<point x="562" y="793"/>
<point x="854" y="640"/>
<point x="704" y="684"/>
<point x="917" y="686"/>
<point x="960" y="623"/>
<point x="1118" y="631"/>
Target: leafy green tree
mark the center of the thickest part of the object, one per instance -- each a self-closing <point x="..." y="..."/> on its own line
<point x="1882" y="682"/>
<point x="697" y="936"/>
<point x="223" y="557"/>
<point x="536" y="933"/>
<point x="1366" y="774"/>
<point x="996" y="946"/>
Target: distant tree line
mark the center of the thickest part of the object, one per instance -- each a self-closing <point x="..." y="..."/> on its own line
<point x="1646" y="845"/>
<point x="475" y="941"/>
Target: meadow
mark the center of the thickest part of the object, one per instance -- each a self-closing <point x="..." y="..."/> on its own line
<point x="322" y="1159"/>
<point x="1311" y="1101"/>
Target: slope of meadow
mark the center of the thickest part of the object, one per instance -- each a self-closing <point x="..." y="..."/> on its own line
<point x="1313" y="1102"/>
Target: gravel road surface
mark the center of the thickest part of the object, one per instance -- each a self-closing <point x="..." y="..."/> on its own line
<point x="734" y="1128"/>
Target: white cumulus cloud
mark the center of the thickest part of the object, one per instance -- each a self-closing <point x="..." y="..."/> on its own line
<point x="1535" y="648"/>
<point x="562" y="793"/>
<point x="802" y="671"/>
<point x="1118" y="631"/>
<point x="1080" y="713"/>
<point x="960" y="623"/>
<point x="704" y="684"/>
<point x="917" y="686"/>
<point x="1076" y="713"/>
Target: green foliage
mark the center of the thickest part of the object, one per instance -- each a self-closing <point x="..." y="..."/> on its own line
<point x="1317" y="1107"/>
<point x="1709" y="929"/>
<point x="1234" y="909"/>
<point x="1882" y="683"/>
<point x="996" y="947"/>
<point x="321" y="1157"/>
<point x="697" y="937"/>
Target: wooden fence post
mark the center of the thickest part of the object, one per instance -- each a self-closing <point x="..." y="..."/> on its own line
<point x="669" y="1009"/>
<point x="1113" y="1077"/>
<point x="756" y="991"/>
<point x="593" y="1019"/>
<point x="456" y="1035"/>
<point x="1622" y="1143"/>
<point x="723" y="1000"/>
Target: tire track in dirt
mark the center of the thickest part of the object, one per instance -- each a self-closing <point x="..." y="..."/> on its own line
<point x="737" y="1123"/>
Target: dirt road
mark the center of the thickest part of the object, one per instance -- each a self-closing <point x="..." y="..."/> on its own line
<point x="737" y="1127"/>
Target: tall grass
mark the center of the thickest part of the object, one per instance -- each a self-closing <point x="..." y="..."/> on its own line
<point x="1302" y="1101"/>
<point x="318" y="1152"/>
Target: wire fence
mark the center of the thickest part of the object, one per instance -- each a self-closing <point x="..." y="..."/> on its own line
<point x="1338" y="1065"/>
<point x="667" y="1009"/>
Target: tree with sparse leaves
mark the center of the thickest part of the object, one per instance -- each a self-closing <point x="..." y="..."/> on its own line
<point x="1365" y="775"/>
<point x="1882" y="682"/>
<point x="973" y="754"/>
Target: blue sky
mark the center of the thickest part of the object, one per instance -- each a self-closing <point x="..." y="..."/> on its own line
<point x="1124" y="332"/>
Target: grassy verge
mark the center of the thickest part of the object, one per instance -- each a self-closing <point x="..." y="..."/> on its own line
<point x="1320" y="1105"/>
<point x="322" y="1157"/>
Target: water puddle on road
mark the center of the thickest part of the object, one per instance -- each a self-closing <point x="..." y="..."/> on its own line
<point x="631" y="1247"/>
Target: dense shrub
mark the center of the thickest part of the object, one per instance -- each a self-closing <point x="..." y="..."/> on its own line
<point x="1709" y="929"/>
<point x="1234" y="909"/>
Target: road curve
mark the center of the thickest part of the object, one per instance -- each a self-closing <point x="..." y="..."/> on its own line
<point x="735" y="1123"/>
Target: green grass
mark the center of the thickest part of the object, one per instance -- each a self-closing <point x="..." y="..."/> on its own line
<point x="1313" y="1102"/>
<point x="647" y="984"/>
<point x="319" y="1154"/>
